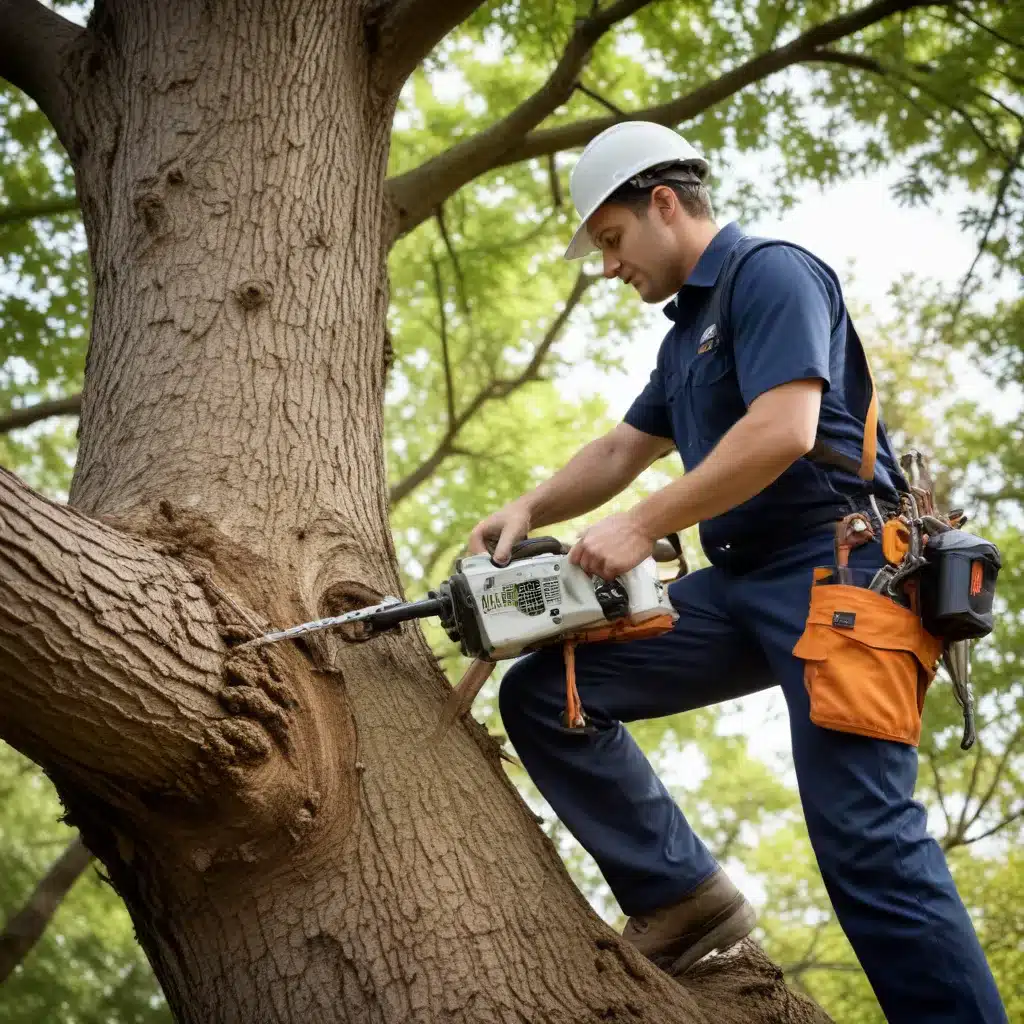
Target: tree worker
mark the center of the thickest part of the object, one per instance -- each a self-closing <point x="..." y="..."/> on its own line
<point x="762" y="386"/>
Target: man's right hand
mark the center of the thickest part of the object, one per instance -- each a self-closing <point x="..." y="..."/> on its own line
<point x="501" y="529"/>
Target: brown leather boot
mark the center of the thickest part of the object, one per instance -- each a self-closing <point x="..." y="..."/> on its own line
<point x="714" y="916"/>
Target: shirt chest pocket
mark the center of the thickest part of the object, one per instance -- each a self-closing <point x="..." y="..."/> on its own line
<point x="713" y="393"/>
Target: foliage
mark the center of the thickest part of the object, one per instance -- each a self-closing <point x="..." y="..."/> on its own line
<point x="87" y="968"/>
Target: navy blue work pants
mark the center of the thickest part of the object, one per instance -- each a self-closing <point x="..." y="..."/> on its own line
<point x="887" y="878"/>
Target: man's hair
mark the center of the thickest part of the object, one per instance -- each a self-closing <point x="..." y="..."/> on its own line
<point x="691" y="192"/>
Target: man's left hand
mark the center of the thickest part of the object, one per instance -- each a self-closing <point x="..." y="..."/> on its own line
<point x="611" y="547"/>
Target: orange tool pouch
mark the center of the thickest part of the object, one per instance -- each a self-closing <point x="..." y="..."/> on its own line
<point x="868" y="663"/>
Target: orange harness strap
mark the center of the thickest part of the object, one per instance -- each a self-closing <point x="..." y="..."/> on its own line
<point x="573" y="717"/>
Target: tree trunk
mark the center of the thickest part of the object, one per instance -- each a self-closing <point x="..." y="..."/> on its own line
<point x="289" y="846"/>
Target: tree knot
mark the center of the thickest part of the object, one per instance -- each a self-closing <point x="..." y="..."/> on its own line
<point x="150" y="206"/>
<point x="252" y="294"/>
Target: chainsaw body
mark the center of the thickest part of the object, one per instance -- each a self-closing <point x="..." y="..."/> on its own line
<point x="497" y="612"/>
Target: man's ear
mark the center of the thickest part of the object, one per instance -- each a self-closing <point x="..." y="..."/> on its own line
<point x="664" y="203"/>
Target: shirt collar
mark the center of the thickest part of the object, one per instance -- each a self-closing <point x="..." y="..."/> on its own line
<point x="705" y="273"/>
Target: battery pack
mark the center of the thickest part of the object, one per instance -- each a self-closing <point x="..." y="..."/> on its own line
<point x="958" y="585"/>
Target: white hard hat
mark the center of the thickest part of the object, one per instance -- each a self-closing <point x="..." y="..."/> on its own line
<point x="612" y="158"/>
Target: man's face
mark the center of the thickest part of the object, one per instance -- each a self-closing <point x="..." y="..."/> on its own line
<point x="639" y="249"/>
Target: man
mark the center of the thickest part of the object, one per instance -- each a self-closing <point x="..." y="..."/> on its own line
<point x="762" y="386"/>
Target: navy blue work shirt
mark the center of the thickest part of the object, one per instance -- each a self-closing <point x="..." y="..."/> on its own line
<point x="786" y="321"/>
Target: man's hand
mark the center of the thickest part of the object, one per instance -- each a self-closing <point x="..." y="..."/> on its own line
<point x="611" y="547"/>
<point x="502" y="528"/>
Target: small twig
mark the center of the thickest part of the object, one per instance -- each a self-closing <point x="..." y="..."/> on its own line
<point x="962" y="820"/>
<point x="864" y="62"/>
<point x="806" y="962"/>
<point x="795" y="970"/>
<point x="608" y="105"/>
<point x="460" y="280"/>
<point x="449" y="387"/>
<point x="1011" y="749"/>
<point x="1014" y="44"/>
<point x="939" y="794"/>
<point x="1004" y="187"/>
<point x="497" y="388"/>
<point x="556" y="188"/>
<point x="1009" y="820"/>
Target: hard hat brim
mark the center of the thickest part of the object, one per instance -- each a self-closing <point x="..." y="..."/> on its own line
<point x="581" y="245"/>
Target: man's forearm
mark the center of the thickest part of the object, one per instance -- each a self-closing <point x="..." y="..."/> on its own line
<point x="594" y="475"/>
<point x="750" y="456"/>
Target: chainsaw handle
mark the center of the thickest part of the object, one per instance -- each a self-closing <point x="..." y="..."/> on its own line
<point x="529" y="547"/>
<point x="668" y="549"/>
<point x="535" y="546"/>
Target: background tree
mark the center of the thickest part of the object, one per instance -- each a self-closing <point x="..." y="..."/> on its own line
<point x="232" y="244"/>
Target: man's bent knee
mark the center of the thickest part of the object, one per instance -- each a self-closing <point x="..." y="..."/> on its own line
<point x="529" y="683"/>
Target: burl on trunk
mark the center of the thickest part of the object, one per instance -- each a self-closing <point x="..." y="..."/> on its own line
<point x="289" y="845"/>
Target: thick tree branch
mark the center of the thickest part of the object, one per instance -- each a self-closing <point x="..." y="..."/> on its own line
<point x="405" y="31"/>
<point x="501" y="388"/>
<point x="513" y="139"/>
<point x="25" y="417"/>
<point x="33" y="40"/>
<point x="110" y="655"/>
<point x="418" y="192"/>
<point x="26" y="927"/>
<point x="39" y="208"/>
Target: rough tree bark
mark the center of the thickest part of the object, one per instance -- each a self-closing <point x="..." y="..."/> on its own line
<point x="288" y="845"/>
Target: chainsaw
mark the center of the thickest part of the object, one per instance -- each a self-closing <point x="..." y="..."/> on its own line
<point x="538" y="598"/>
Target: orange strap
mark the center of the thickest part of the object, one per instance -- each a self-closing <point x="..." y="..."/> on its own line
<point x="622" y="629"/>
<point x="865" y="468"/>
<point x="870" y="446"/>
<point x="573" y="708"/>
